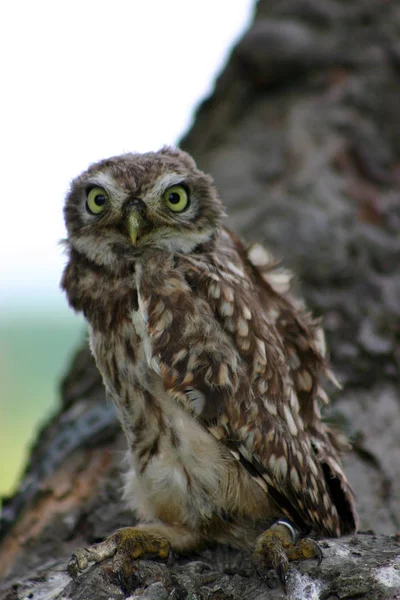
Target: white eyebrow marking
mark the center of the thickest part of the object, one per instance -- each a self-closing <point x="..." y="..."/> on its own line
<point x="164" y="182"/>
<point x="105" y="180"/>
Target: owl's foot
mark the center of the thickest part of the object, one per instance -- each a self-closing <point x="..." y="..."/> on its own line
<point x="279" y="545"/>
<point x="125" y="545"/>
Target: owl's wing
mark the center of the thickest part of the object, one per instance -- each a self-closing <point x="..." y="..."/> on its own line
<point x="304" y="346"/>
<point x="220" y="354"/>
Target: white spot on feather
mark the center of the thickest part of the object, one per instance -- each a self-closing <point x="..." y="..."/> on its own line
<point x="179" y="356"/>
<point x="197" y="400"/>
<point x="246" y="313"/>
<point x="290" y="421"/>
<point x="282" y="466"/>
<point x="262" y="386"/>
<point x="270" y="406"/>
<point x="323" y="395"/>
<point x="214" y="291"/>
<point x="243" y="328"/>
<point x="242" y="432"/>
<point x="237" y="270"/>
<point x="304" y="380"/>
<point x="224" y="420"/>
<point x="320" y="340"/>
<point x="294" y="478"/>
<point x="294" y="360"/>
<point x="312" y="466"/>
<point x="244" y="343"/>
<point x="294" y="402"/>
<point x="155" y="365"/>
<point x="226" y="309"/>
<point x="223" y="375"/>
<point x="333" y="379"/>
<point x="299" y="457"/>
<point x="262" y="357"/>
<point x="139" y="323"/>
<point x="235" y="454"/>
<point x="259" y="256"/>
<point x="279" y="280"/>
<point x="272" y="462"/>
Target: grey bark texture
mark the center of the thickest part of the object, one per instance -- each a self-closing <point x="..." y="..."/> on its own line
<point x="302" y="136"/>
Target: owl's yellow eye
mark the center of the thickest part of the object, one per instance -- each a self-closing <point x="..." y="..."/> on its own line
<point x="176" y="198"/>
<point x="96" y="200"/>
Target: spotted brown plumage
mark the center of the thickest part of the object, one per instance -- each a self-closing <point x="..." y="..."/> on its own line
<point x="214" y="368"/>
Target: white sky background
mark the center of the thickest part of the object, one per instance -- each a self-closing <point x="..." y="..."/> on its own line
<point x="83" y="80"/>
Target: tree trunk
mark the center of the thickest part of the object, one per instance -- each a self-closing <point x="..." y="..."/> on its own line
<point x="302" y="135"/>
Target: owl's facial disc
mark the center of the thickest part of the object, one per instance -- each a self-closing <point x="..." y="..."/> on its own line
<point x="126" y="205"/>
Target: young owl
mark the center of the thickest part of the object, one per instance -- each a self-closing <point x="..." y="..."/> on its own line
<point x="214" y="368"/>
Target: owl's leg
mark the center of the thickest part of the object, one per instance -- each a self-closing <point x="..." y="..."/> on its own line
<point x="279" y="545"/>
<point x="130" y="543"/>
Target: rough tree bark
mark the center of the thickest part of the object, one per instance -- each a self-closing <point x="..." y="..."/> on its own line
<point x="302" y="135"/>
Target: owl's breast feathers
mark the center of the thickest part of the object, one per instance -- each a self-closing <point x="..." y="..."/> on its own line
<point x="236" y="351"/>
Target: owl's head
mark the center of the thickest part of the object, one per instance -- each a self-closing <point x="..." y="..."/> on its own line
<point x="123" y="205"/>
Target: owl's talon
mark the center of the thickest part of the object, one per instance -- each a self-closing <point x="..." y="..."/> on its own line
<point x="78" y="562"/>
<point x="72" y="568"/>
<point x="170" y="558"/>
<point x="305" y="548"/>
<point x="282" y="572"/>
<point x="125" y="545"/>
<point x="318" y="551"/>
<point x="277" y="546"/>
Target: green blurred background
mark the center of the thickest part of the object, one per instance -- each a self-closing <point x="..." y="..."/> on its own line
<point x="34" y="350"/>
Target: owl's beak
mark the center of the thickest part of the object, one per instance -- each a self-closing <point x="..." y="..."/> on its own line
<point x="135" y="222"/>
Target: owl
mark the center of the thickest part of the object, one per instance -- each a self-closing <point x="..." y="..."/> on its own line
<point x="214" y="368"/>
